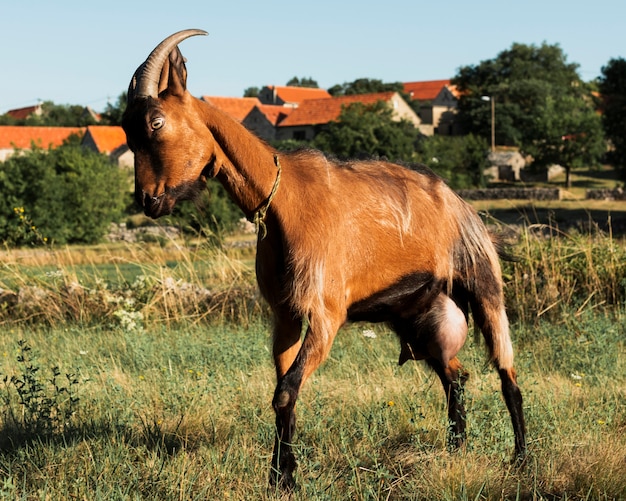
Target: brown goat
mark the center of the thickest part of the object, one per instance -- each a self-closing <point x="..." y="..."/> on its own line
<point x="338" y="242"/>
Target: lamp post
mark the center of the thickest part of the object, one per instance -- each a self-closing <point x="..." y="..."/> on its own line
<point x="493" y="120"/>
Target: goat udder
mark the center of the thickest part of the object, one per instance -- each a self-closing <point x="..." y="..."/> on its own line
<point x="451" y="331"/>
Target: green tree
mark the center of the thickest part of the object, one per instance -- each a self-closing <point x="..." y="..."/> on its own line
<point x="55" y="115"/>
<point x="364" y="86"/>
<point x="534" y="89"/>
<point x="368" y="131"/>
<point x="251" y="92"/>
<point x="68" y="195"/>
<point x="460" y="160"/>
<point x="612" y="87"/>
<point x="303" y="82"/>
<point x="112" y="114"/>
<point x="62" y="115"/>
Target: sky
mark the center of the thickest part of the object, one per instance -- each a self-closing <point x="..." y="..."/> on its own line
<point x="78" y="52"/>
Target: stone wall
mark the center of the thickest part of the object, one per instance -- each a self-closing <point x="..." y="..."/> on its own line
<point x="614" y="194"/>
<point x="511" y="194"/>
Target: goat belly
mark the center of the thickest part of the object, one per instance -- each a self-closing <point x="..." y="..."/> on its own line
<point x="406" y="298"/>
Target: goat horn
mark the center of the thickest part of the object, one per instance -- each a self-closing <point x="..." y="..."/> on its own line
<point x="145" y="81"/>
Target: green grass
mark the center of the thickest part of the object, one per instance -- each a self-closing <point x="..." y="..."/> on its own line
<point x="184" y="413"/>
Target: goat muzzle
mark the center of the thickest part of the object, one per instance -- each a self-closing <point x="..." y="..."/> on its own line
<point x="156" y="206"/>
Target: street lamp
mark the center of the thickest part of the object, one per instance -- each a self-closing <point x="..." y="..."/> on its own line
<point x="493" y="120"/>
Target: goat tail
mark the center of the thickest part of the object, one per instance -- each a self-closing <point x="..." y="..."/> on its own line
<point x="478" y="267"/>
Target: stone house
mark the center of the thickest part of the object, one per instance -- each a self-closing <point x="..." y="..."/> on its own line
<point x="111" y="141"/>
<point x="305" y="121"/>
<point x="438" y="100"/>
<point x="505" y="165"/>
<point x="290" y="96"/>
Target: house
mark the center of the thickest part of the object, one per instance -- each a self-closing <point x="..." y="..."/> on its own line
<point x="505" y="165"/>
<point x="290" y="96"/>
<point x="236" y="107"/>
<point x="438" y="104"/>
<point x="22" y="137"/>
<point x="304" y="122"/>
<point x="264" y="118"/>
<point x="24" y="113"/>
<point x="111" y="141"/>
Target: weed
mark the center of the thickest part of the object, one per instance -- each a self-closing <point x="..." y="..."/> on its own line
<point x="48" y="405"/>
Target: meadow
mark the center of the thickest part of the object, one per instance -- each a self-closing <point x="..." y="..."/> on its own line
<point x="143" y="371"/>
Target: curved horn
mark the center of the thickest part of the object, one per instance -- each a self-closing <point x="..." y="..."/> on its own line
<point x="145" y="81"/>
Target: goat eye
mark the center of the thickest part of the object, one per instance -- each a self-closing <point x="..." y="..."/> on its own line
<point x="157" y="123"/>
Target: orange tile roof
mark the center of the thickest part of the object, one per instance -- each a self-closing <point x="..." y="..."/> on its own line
<point x="322" y="111"/>
<point x="107" y="138"/>
<point x="22" y="136"/>
<point x="275" y="113"/>
<point x="425" y="91"/>
<point x="236" y="107"/>
<point x="299" y="94"/>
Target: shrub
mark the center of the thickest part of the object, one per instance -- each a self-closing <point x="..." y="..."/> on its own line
<point x="67" y="194"/>
<point x="460" y="160"/>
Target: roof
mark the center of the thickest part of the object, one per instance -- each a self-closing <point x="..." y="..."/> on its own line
<point x="427" y="90"/>
<point x="23" y="113"/>
<point x="274" y="113"/>
<point x="22" y="136"/>
<point x="236" y="107"/>
<point x="299" y="94"/>
<point x="106" y="138"/>
<point x="322" y="111"/>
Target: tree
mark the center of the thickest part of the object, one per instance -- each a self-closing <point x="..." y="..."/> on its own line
<point x="303" y="82"/>
<point x="364" y="86"/>
<point x="112" y="114"/>
<point x="251" y="92"/>
<point x="580" y="142"/>
<point x="612" y="87"/>
<point x="368" y="131"/>
<point x="539" y="99"/>
<point x="460" y="160"/>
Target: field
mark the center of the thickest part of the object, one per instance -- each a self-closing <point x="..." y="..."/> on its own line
<point x="144" y="372"/>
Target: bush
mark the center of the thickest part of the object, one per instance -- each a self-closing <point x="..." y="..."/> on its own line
<point x="62" y="195"/>
<point x="460" y="160"/>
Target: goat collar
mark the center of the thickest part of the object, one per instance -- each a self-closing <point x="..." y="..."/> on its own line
<point x="259" y="215"/>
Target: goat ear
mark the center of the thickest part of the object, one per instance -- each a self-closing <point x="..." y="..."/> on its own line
<point x="174" y="74"/>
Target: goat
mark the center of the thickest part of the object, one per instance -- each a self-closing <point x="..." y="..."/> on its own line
<point x="338" y="242"/>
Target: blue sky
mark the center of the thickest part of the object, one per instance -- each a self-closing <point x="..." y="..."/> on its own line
<point x="78" y="52"/>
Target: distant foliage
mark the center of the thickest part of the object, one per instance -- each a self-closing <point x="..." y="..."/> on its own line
<point x="112" y="114"/>
<point x="303" y="82"/>
<point x="460" y="160"/>
<point x="541" y="105"/>
<point x="55" y="115"/>
<point x="368" y="131"/>
<point x="612" y="87"/>
<point x="364" y="86"/>
<point x="62" y="195"/>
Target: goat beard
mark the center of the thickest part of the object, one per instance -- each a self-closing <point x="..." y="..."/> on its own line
<point x="165" y="205"/>
<point x="188" y="191"/>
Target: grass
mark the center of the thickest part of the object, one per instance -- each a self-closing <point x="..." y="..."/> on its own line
<point x="184" y="414"/>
